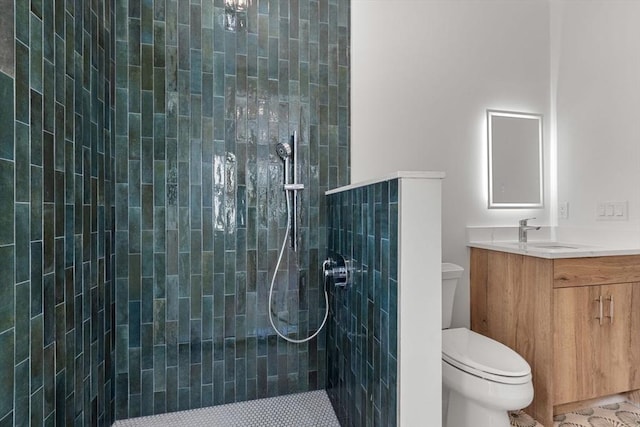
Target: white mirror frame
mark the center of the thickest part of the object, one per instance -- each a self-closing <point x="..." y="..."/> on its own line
<point x="521" y="204"/>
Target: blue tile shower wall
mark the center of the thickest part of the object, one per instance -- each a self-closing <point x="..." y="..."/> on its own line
<point x="204" y="92"/>
<point x="56" y="213"/>
<point x="362" y="335"/>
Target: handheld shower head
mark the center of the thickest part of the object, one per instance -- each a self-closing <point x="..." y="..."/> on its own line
<point x="284" y="150"/>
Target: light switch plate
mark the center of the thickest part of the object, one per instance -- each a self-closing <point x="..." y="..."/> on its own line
<point x="612" y="211"/>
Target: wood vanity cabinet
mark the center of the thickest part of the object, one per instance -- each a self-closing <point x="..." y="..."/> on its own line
<point x="596" y="341"/>
<point x="575" y="320"/>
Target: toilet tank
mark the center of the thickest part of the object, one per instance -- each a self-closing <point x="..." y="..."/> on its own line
<point x="450" y="275"/>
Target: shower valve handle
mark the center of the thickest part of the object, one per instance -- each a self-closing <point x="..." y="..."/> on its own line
<point x="339" y="270"/>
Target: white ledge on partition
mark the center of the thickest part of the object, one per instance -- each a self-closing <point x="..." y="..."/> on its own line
<point x="389" y="177"/>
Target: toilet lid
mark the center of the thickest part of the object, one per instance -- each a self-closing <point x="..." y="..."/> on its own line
<point x="480" y="355"/>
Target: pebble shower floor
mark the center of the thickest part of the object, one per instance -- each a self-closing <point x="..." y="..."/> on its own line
<point x="303" y="409"/>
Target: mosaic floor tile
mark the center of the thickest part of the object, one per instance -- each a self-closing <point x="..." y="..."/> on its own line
<point x="302" y="409"/>
<point x="623" y="414"/>
<point x="521" y="419"/>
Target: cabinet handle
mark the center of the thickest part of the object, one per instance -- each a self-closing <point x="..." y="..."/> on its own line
<point x="599" y="316"/>
<point x="610" y="316"/>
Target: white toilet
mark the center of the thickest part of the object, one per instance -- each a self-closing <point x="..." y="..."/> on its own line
<point x="482" y="379"/>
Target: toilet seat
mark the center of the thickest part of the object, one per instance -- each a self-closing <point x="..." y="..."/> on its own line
<point x="483" y="357"/>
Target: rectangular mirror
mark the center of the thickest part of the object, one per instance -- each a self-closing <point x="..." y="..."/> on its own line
<point x="515" y="159"/>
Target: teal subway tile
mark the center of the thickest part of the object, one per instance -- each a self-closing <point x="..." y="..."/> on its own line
<point x="195" y="26"/>
<point x="22" y="93"/>
<point x="21" y="14"/>
<point x="48" y="29"/>
<point x="22" y="154"/>
<point x="159" y="94"/>
<point x="7" y="194"/>
<point x="146" y="402"/>
<point x="6" y="118"/>
<point x="196" y="71"/>
<point x="7" y="301"/>
<point x="134" y="42"/>
<point x="7" y="29"/>
<point x="22" y="246"/>
<point x="207" y="50"/>
<point x="21" y="391"/>
<point x="36" y="279"/>
<point x="159" y="192"/>
<point x="135" y="9"/>
<point x="184" y="11"/>
<point x="7" y="378"/>
<point x="146" y="21"/>
<point x="134" y="85"/>
<point x="35" y="49"/>
<point x="183" y="47"/>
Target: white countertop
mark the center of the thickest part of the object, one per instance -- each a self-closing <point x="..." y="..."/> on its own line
<point x="555" y="250"/>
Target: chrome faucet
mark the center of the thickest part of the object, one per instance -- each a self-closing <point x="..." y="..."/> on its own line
<point x="524" y="228"/>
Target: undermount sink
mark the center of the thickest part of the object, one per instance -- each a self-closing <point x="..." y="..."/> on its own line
<point x="551" y="245"/>
<point x="546" y="245"/>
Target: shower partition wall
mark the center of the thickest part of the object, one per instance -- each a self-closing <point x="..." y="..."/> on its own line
<point x="384" y="332"/>
<point x="204" y="93"/>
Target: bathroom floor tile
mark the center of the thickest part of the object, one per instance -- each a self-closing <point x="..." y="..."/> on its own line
<point x="623" y="414"/>
<point x="302" y="409"/>
<point x="521" y="419"/>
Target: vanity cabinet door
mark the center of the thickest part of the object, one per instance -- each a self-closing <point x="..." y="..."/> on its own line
<point x="578" y="341"/>
<point x="596" y="343"/>
<point x="623" y="336"/>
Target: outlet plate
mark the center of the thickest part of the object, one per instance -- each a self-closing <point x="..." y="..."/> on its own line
<point x="563" y="210"/>
<point x="612" y="211"/>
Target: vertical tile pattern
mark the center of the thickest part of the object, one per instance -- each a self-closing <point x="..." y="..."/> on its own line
<point x="362" y="335"/>
<point x="204" y="93"/>
<point x="6" y="38"/>
<point x="56" y="215"/>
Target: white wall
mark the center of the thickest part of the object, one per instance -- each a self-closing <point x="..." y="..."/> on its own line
<point x="419" y="307"/>
<point x="596" y="85"/>
<point x="423" y="74"/>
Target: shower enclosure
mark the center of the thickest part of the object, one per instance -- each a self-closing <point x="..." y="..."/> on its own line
<point x="212" y="88"/>
<point x="143" y="207"/>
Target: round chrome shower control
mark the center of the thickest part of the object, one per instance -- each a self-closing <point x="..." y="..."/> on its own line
<point x="338" y="269"/>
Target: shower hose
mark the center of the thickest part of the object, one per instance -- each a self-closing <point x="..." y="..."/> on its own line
<point x="273" y="280"/>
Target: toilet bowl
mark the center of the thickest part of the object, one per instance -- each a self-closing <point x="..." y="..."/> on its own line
<point x="482" y="379"/>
